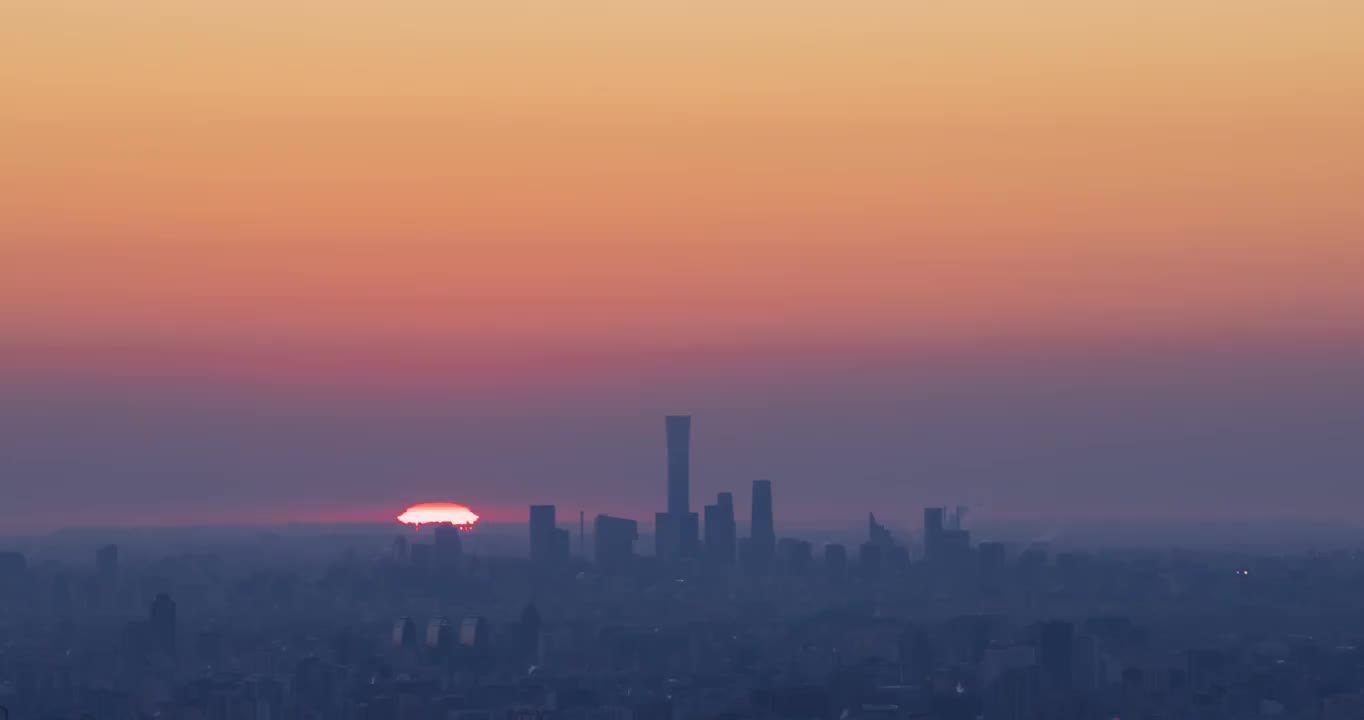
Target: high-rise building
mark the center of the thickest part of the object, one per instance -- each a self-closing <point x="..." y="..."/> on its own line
<point x="161" y="624"/>
<point x="400" y="548"/>
<point x="762" y="531"/>
<point x="448" y="545"/>
<point x="548" y="544"/>
<point x="679" y="463"/>
<point x="676" y="531"/>
<point x="869" y="560"/>
<point x="614" y="539"/>
<point x="877" y="533"/>
<point x="721" y="530"/>
<point x="404" y="633"/>
<point x="440" y="635"/>
<point x="934" y="519"/>
<point x="473" y="632"/>
<point x="1058" y="652"/>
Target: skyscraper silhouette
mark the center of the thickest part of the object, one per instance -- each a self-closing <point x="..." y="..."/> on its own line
<point x="161" y="624"/>
<point x="548" y="544"/>
<point x="679" y="463"/>
<point x="615" y="541"/>
<point x="721" y="533"/>
<point x="1058" y="650"/>
<point x="448" y="545"/>
<point x="676" y="531"/>
<point x="763" y="535"/>
<point x="933" y="530"/>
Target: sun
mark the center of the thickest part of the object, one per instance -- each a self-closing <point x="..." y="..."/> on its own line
<point x="433" y="513"/>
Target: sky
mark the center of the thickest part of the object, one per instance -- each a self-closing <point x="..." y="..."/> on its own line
<point x="304" y="260"/>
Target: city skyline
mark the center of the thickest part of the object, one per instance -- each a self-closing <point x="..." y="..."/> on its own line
<point x="266" y="262"/>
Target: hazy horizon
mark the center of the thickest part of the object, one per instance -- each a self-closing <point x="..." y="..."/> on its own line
<point x="266" y="261"/>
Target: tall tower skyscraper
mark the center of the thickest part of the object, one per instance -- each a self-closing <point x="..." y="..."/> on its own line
<point x="448" y="547"/>
<point x="676" y="531"/>
<point x="934" y="525"/>
<point x="548" y="543"/>
<point x="721" y="536"/>
<point x="763" y="533"/>
<point x="161" y="624"/>
<point x="679" y="464"/>
<point x="542" y="528"/>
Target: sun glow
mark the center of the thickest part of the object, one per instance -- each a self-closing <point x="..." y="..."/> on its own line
<point x="439" y="512"/>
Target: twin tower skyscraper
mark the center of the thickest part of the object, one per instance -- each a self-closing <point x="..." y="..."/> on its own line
<point x="676" y="531"/>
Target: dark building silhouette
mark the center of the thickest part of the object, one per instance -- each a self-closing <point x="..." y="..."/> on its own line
<point x="679" y="463"/>
<point x="404" y="633"/>
<point x="473" y="632"/>
<point x="548" y="543"/>
<point x="400" y="548"/>
<point x="448" y="545"/>
<point x="1058" y="653"/>
<point x="614" y="539"/>
<point x="528" y="631"/>
<point x="106" y="562"/>
<point x="161" y="624"/>
<point x="934" y="518"/>
<point x="877" y="534"/>
<point x="677" y="531"/>
<point x="675" y="535"/>
<point x="440" y="636"/>
<point x="722" y="535"/>
<point x="762" y="534"/>
<point x="870" y="560"/>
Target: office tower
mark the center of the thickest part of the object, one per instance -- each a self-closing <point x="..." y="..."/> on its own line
<point x="528" y="631"/>
<point x="1058" y="651"/>
<point x="400" y="548"/>
<point x="404" y="633"/>
<point x="440" y="636"/>
<point x="448" y="546"/>
<point x="676" y="535"/>
<point x="721" y="530"/>
<point x="934" y="518"/>
<point x="676" y="531"/>
<point x="836" y="560"/>
<point x="679" y="463"/>
<point x="543" y="532"/>
<point x="762" y="530"/>
<point x="106" y="561"/>
<point x="615" y="541"/>
<point x="473" y="632"/>
<point x="161" y="624"/>
<point x="877" y="533"/>
<point x="869" y="561"/>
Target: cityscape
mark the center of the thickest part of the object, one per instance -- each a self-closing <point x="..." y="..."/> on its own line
<point x="714" y="621"/>
<point x="681" y="360"/>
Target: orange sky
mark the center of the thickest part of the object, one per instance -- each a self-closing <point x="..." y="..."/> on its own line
<point x="661" y="174"/>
